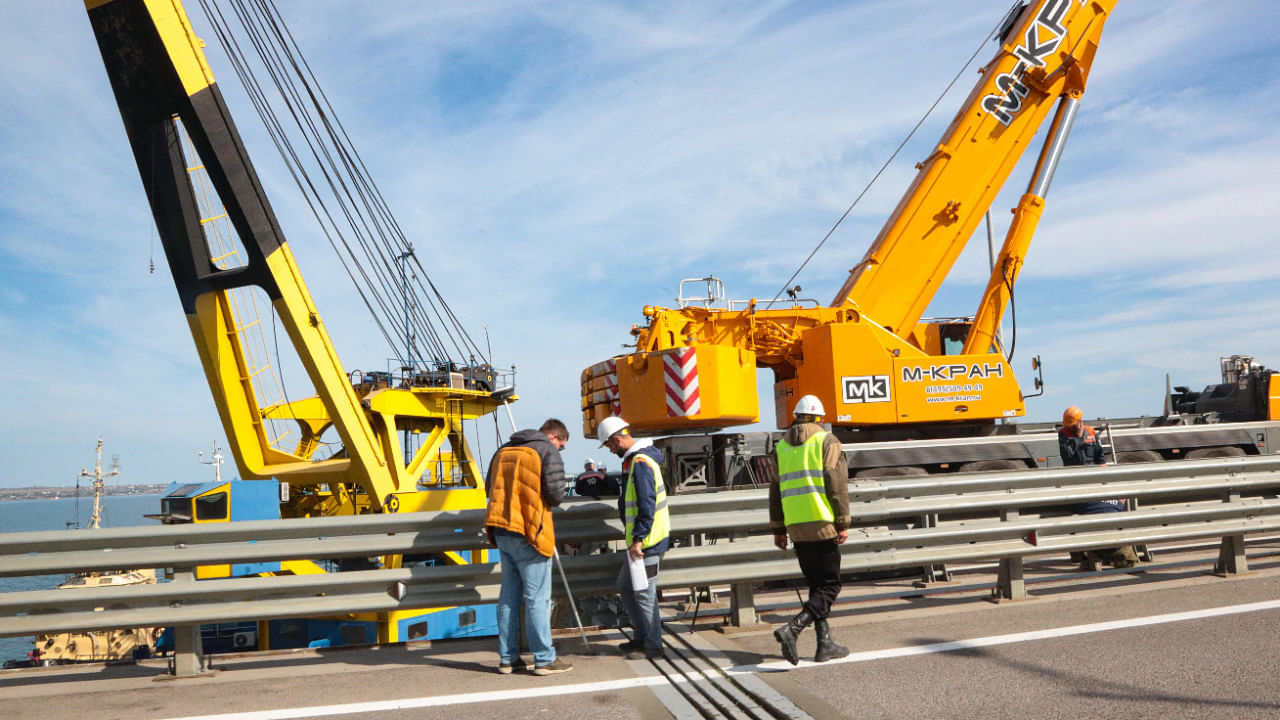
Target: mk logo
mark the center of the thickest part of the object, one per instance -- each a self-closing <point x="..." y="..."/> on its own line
<point x="1041" y="38"/>
<point x="866" y="389"/>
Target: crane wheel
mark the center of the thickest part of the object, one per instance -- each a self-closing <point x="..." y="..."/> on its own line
<point x="989" y="465"/>
<point x="1138" y="456"/>
<point x="895" y="471"/>
<point x="1224" y="451"/>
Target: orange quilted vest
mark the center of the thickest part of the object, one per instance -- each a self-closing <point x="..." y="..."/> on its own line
<point x="515" y="498"/>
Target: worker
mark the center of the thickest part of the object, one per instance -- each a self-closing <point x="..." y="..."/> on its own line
<point x="1078" y="444"/>
<point x="809" y="501"/>
<point x="593" y="482"/>
<point x="647" y="530"/>
<point x="525" y="480"/>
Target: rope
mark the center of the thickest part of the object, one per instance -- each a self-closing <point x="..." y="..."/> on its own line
<point x="885" y="166"/>
<point x="417" y="323"/>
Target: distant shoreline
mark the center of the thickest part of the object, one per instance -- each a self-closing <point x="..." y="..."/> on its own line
<point x="61" y="492"/>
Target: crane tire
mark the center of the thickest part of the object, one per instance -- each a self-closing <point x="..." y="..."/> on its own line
<point x="988" y="465"/>
<point x="1223" y="451"/>
<point x="1138" y="456"/>
<point x="894" y="471"/>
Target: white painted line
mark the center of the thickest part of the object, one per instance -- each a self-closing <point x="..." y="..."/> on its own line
<point x="437" y="701"/>
<point x="779" y="666"/>
<point x="952" y="646"/>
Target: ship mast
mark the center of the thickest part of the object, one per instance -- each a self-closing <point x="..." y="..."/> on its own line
<point x="99" y="483"/>
<point x="216" y="462"/>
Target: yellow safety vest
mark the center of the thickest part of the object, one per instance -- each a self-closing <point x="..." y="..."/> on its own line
<point x="800" y="480"/>
<point x="661" y="527"/>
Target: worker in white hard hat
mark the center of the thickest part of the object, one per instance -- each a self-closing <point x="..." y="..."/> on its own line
<point x="809" y="501"/>
<point x="643" y="507"/>
<point x="592" y="482"/>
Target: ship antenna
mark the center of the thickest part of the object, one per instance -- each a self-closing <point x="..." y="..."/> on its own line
<point x="99" y="483"/>
<point x="215" y="460"/>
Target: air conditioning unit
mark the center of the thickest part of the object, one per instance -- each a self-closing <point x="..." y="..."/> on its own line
<point x="246" y="640"/>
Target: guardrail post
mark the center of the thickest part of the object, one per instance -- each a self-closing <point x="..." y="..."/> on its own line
<point x="1231" y="558"/>
<point x="188" y="652"/>
<point x="742" y="605"/>
<point x="1010" y="584"/>
<point x="934" y="572"/>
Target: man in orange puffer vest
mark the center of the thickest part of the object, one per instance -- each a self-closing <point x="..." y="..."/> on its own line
<point x="526" y="480"/>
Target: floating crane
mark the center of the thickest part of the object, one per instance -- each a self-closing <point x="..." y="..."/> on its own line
<point x="178" y="125"/>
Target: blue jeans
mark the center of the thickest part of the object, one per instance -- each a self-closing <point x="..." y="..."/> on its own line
<point x="526" y="576"/>
<point x="642" y="607"/>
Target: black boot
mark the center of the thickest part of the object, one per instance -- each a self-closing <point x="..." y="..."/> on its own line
<point x="827" y="647"/>
<point x="787" y="634"/>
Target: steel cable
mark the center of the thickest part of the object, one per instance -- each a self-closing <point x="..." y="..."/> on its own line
<point x="372" y="257"/>
<point x="885" y="166"/>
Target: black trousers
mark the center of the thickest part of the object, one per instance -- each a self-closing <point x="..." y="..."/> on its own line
<point x="820" y="564"/>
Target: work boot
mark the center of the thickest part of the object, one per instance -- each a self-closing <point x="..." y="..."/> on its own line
<point x="1124" y="557"/>
<point x="827" y="647"/>
<point x="787" y="634"/>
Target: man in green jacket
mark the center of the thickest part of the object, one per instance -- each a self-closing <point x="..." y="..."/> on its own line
<point x="809" y="501"/>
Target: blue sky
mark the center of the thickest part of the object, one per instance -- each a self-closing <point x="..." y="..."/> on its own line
<point x="565" y="164"/>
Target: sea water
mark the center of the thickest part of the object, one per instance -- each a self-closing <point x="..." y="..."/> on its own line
<point x="67" y="514"/>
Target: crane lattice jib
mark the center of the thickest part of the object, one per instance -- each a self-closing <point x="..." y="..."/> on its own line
<point x="165" y="88"/>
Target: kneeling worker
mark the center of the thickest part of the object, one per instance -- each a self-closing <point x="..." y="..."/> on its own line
<point x="1078" y="445"/>
<point x="643" y="506"/>
<point x="809" y="501"/>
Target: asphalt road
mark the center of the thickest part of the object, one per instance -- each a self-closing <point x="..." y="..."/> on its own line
<point x="1169" y="643"/>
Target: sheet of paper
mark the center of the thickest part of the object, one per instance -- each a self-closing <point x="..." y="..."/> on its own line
<point x="639" y="580"/>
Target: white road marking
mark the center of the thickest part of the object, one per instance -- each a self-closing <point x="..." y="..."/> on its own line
<point x="437" y="701"/>
<point x="779" y="666"/>
<point x="1016" y="637"/>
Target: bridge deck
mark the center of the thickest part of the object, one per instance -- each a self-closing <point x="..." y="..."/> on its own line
<point x="1171" y="641"/>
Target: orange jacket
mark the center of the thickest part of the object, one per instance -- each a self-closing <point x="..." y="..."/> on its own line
<point x="515" y="498"/>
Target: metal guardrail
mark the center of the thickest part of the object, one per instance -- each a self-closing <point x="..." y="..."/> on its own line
<point x="981" y="516"/>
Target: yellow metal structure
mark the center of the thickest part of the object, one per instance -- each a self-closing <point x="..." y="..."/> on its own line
<point x="167" y="95"/>
<point x="400" y="440"/>
<point x="868" y="356"/>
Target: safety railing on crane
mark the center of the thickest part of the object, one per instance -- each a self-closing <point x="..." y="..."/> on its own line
<point x="1003" y="516"/>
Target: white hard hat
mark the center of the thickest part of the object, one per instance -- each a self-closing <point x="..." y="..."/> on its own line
<point x="609" y="427"/>
<point x="590" y="463"/>
<point x="809" y="405"/>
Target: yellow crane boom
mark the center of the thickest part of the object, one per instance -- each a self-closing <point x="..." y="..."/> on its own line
<point x="867" y="355"/>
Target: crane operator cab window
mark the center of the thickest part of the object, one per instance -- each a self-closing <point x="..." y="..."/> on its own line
<point x="951" y="334"/>
<point x="196" y="503"/>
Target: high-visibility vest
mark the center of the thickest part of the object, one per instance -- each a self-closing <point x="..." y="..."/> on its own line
<point x="661" y="527"/>
<point x="800" y="480"/>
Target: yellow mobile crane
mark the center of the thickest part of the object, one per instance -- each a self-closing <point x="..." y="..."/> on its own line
<point x="176" y="119"/>
<point x="867" y="355"/>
